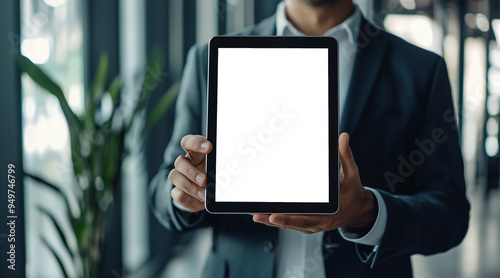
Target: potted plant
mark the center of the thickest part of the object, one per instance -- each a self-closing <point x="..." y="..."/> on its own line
<point x="97" y="151"/>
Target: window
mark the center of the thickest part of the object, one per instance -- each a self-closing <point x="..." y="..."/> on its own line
<point x="52" y="37"/>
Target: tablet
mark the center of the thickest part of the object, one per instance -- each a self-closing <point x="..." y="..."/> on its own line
<point x="273" y="122"/>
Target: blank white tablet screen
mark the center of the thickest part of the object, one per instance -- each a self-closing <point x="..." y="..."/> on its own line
<point x="272" y="125"/>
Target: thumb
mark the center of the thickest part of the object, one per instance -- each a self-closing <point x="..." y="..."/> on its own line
<point x="196" y="147"/>
<point x="346" y="158"/>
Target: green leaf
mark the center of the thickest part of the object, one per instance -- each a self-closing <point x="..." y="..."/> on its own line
<point x="111" y="157"/>
<point x="63" y="269"/>
<point x="58" y="228"/>
<point x="100" y="77"/>
<point x="115" y="87"/>
<point x="42" y="79"/>
<point x="162" y="106"/>
<point x="53" y="187"/>
<point x="97" y="89"/>
<point x="80" y="228"/>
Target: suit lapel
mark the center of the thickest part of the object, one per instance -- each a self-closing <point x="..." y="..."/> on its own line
<point x="371" y="50"/>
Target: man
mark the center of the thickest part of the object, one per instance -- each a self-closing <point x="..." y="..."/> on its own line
<point x="402" y="189"/>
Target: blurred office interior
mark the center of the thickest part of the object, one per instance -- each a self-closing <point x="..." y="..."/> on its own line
<point x="66" y="38"/>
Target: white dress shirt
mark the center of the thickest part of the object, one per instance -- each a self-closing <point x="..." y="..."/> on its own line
<point x="300" y="255"/>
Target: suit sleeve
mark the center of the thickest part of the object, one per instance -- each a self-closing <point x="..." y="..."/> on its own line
<point x="187" y="121"/>
<point x="435" y="217"/>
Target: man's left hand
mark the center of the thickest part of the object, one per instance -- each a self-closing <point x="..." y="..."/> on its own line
<point x="357" y="205"/>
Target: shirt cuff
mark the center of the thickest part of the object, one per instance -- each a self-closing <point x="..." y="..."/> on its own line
<point x="374" y="236"/>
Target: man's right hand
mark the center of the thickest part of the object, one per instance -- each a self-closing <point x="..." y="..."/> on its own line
<point x="189" y="175"/>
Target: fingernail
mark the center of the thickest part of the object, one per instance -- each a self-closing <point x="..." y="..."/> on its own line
<point x="204" y="146"/>
<point x="201" y="194"/>
<point x="200" y="178"/>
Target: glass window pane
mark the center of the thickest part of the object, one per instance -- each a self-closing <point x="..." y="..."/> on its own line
<point x="52" y="37"/>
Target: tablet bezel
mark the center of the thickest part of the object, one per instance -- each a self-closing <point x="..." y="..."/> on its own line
<point x="333" y="129"/>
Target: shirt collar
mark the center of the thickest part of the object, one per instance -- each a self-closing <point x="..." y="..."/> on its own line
<point x="351" y="25"/>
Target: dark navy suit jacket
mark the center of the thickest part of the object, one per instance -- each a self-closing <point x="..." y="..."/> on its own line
<point x="400" y="116"/>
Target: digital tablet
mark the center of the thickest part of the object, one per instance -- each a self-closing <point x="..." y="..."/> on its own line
<point x="273" y="122"/>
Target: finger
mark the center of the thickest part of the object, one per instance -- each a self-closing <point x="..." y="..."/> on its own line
<point x="186" y="201"/>
<point x="196" y="146"/>
<point x="186" y="185"/>
<point x="346" y="158"/>
<point x="185" y="167"/>
<point x="300" y="223"/>
<point x="196" y="143"/>
<point x="304" y="222"/>
<point x="264" y="219"/>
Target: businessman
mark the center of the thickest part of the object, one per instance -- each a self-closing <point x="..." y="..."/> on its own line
<point x="402" y="189"/>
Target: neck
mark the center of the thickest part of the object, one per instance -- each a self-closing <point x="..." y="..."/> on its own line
<point x="315" y="20"/>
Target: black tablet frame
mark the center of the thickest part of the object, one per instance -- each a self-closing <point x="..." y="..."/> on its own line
<point x="273" y="207"/>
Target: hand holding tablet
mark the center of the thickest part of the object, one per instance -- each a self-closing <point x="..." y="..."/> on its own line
<point x="359" y="208"/>
<point x="188" y="174"/>
<point x="272" y="147"/>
